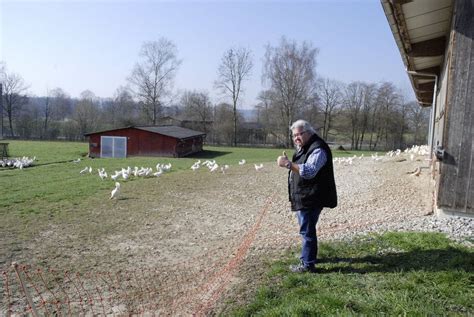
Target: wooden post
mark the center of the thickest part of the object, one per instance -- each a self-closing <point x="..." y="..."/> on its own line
<point x="25" y="291"/>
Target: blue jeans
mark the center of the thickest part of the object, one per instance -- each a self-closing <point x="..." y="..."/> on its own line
<point x="307" y="219"/>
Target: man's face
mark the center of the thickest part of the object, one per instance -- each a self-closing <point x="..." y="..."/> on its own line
<point x="300" y="137"/>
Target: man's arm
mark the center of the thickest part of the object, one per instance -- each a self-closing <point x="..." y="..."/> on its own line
<point x="315" y="162"/>
<point x="308" y="170"/>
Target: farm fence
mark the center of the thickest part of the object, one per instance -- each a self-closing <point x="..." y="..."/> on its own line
<point x="167" y="290"/>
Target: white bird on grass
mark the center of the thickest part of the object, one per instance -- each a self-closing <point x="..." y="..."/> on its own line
<point x="258" y="167"/>
<point x="125" y="176"/>
<point x="208" y="163"/>
<point x="158" y="173"/>
<point x="242" y="162"/>
<point x="102" y="173"/>
<point x="115" y="192"/>
<point x="224" y="168"/>
<point x="166" y="167"/>
<point x="84" y="170"/>
<point x="213" y="167"/>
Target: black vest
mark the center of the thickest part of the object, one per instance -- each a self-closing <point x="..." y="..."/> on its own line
<point x="318" y="192"/>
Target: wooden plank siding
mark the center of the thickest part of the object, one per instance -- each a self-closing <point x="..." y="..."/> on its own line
<point x="142" y="142"/>
<point x="456" y="186"/>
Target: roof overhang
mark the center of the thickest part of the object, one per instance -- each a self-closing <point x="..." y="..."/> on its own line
<point x="421" y="30"/>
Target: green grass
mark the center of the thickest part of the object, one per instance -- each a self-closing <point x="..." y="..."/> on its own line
<point x="414" y="274"/>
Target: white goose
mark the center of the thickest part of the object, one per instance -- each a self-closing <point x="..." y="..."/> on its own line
<point x="116" y="191"/>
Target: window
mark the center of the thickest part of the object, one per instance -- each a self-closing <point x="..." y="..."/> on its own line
<point x="113" y="146"/>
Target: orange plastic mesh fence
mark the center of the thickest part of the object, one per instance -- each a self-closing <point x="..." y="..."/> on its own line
<point x="165" y="290"/>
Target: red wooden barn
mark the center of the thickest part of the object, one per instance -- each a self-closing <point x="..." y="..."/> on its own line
<point x="169" y="141"/>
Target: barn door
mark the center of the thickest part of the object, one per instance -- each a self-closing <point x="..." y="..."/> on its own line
<point x="113" y="146"/>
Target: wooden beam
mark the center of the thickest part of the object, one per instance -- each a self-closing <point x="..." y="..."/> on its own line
<point x="399" y="18"/>
<point x="433" y="47"/>
<point x="426" y="101"/>
<point x="425" y="95"/>
<point x="425" y="87"/>
<point x="400" y="2"/>
<point x="424" y="105"/>
<point x="430" y="70"/>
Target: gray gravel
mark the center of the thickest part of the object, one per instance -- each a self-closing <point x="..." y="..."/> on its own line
<point x="376" y="196"/>
<point x="460" y="229"/>
<point x="379" y="196"/>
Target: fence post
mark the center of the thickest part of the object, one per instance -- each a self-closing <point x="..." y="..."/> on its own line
<point x="25" y="291"/>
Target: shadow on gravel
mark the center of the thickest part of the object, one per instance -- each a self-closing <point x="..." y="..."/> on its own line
<point x="449" y="259"/>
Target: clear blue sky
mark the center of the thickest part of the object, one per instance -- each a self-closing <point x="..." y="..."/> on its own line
<point x="79" y="45"/>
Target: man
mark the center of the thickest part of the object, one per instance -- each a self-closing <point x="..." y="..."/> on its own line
<point x="311" y="187"/>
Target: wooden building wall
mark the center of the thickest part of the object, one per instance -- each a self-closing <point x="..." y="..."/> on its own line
<point x="456" y="179"/>
<point x="139" y="143"/>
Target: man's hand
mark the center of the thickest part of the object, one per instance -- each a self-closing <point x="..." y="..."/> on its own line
<point x="283" y="160"/>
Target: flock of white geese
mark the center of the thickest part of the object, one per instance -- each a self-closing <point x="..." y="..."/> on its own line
<point x="411" y="153"/>
<point x="125" y="174"/>
<point x="18" y="162"/>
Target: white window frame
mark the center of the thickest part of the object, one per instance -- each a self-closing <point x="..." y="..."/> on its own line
<point x="114" y="138"/>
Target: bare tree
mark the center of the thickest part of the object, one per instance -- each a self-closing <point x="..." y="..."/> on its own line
<point x="152" y="77"/>
<point x="121" y="110"/>
<point x="272" y="118"/>
<point x="368" y="102"/>
<point x="47" y="110"/>
<point x="235" y="67"/>
<point x="290" y="71"/>
<point x="330" y="95"/>
<point x="61" y="104"/>
<point x="418" y="119"/>
<point x="86" y="113"/>
<point x="353" y="102"/>
<point x="14" y="94"/>
<point x="387" y="99"/>
<point x="223" y="124"/>
<point x="197" y="105"/>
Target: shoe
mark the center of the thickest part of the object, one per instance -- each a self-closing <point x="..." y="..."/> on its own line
<point x="301" y="268"/>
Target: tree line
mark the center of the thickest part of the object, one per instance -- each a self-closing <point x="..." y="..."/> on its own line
<point x="360" y="114"/>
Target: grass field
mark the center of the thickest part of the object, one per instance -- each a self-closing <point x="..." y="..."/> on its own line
<point x="396" y="274"/>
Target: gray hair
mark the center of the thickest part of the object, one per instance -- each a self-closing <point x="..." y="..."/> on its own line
<point x="303" y="124"/>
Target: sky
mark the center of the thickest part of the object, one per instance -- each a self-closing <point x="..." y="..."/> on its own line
<point x="93" y="45"/>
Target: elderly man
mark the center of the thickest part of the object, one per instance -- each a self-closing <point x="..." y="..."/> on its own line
<point x="311" y="187"/>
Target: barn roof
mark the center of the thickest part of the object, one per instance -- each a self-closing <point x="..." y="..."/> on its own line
<point x="421" y="30"/>
<point x="168" y="130"/>
<point x="172" y="131"/>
